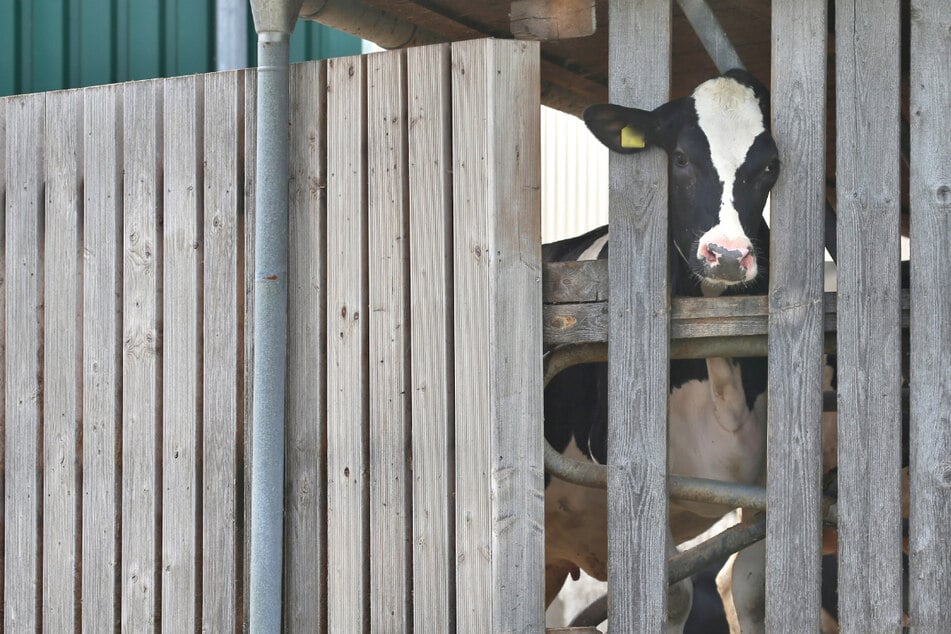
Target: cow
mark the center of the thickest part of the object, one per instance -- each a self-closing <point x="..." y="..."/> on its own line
<point x="722" y="163"/>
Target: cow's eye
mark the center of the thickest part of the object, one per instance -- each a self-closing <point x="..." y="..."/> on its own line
<point x="680" y="159"/>
<point x="772" y="167"/>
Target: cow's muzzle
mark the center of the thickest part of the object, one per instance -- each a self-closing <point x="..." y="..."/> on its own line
<point x="728" y="264"/>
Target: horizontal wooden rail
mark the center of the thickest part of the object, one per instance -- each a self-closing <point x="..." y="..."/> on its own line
<point x="576" y="311"/>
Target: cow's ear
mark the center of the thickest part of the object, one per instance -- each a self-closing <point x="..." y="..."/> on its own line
<point x="623" y="130"/>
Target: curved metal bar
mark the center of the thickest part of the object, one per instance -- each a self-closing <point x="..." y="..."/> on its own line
<point x="594" y="615"/>
<point x="721" y="545"/>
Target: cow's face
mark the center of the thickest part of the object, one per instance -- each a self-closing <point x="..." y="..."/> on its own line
<point x="722" y="162"/>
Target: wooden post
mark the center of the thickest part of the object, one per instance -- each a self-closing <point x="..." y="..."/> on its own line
<point x="869" y="336"/>
<point x="639" y="330"/>
<point x="430" y="285"/>
<point x="930" y="189"/>
<point x="497" y="259"/>
<point x="794" y="436"/>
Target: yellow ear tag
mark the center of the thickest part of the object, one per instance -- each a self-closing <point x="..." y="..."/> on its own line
<point x="631" y="138"/>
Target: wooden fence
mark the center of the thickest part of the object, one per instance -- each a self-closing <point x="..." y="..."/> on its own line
<point x="413" y="451"/>
<point x="868" y="151"/>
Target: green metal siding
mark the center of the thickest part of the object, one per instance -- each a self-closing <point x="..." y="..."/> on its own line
<point x="54" y="44"/>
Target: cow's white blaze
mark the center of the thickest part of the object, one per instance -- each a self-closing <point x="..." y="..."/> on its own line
<point x="729" y="114"/>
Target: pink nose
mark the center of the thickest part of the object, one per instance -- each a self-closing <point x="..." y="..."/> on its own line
<point x="726" y="261"/>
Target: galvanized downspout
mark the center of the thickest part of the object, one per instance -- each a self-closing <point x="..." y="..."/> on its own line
<point x="274" y="22"/>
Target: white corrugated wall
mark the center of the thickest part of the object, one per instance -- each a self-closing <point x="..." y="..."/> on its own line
<point x="574" y="177"/>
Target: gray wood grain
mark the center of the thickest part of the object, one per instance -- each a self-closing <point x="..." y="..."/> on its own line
<point x="794" y="435"/>
<point x="246" y="310"/>
<point x="181" y="345"/>
<point x="101" y="355"/>
<point x="638" y="356"/>
<point x="930" y="189"/>
<point x="585" y="281"/>
<point x="141" y="110"/>
<point x="304" y="462"/>
<point x="348" y="600"/>
<point x="3" y="303"/>
<point x="430" y="274"/>
<point x="497" y="261"/>
<point x="62" y="160"/>
<point x="219" y="495"/>
<point x="25" y="118"/>
<point x="390" y="511"/>
<point x="867" y="39"/>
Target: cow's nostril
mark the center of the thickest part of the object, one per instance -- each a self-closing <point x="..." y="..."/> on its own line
<point x="709" y="252"/>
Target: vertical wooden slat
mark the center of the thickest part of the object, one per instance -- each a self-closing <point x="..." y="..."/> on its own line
<point x="869" y="337"/>
<point x="430" y="233"/>
<point x="61" y="405"/>
<point x="24" y="225"/>
<point x="102" y="404"/>
<point x="304" y="572"/>
<point x="930" y="189"/>
<point x="3" y="339"/>
<point x="794" y="436"/>
<point x="181" y="425"/>
<point x="141" y="113"/>
<point x="347" y="513"/>
<point x="497" y="260"/>
<point x="639" y="330"/>
<point x="389" y="395"/>
<point x="247" y="222"/>
<point x="222" y="111"/>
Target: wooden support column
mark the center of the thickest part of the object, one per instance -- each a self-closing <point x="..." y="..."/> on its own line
<point x="794" y="436"/>
<point x="639" y="330"/>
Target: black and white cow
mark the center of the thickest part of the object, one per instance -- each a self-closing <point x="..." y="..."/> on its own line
<point x="722" y="163"/>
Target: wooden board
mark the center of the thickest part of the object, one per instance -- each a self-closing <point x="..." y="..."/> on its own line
<point x="389" y="440"/>
<point x="930" y="188"/>
<point x="348" y="599"/>
<point x="101" y="356"/>
<point x="639" y="331"/>
<point x="25" y="119"/>
<point x="430" y="283"/>
<point x="246" y="224"/>
<point x="869" y="335"/>
<point x="61" y="397"/>
<point x="141" y="110"/>
<point x="181" y="345"/>
<point x="222" y="243"/>
<point x="3" y="322"/>
<point x="305" y="427"/>
<point x="497" y="272"/>
<point x="794" y="435"/>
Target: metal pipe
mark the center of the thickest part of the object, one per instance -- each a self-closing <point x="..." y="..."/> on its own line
<point x="711" y="34"/>
<point x="720" y="546"/>
<point x="274" y="22"/>
<point x="231" y="34"/>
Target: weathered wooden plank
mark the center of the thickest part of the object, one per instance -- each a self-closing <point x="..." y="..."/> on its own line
<point x="794" y="435"/>
<point x="869" y="336"/>
<point x="62" y="160"/>
<point x="141" y="111"/>
<point x="638" y="356"/>
<point x="24" y="208"/>
<point x="3" y="320"/>
<point x="246" y="310"/>
<point x="569" y="282"/>
<point x="304" y="460"/>
<point x="389" y="478"/>
<point x="181" y="405"/>
<point x="499" y="471"/>
<point x="348" y="600"/>
<point x="430" y="274"/>
<point x="690" y="318"/>
<point x="102" y="363"/>
<point x="219" y="459"/>
<point x="930" y="189"/>
<point x="552" y="19"/>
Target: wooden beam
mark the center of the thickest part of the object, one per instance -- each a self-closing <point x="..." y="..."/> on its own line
<point x="552" y="19"/>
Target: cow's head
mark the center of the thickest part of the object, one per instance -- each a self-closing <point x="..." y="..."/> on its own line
<point x="721" y="162"/>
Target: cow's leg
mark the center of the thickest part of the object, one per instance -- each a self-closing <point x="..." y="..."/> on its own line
<point x="679" y="596"/>
<point x="748" y="585"/>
